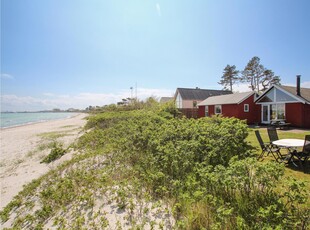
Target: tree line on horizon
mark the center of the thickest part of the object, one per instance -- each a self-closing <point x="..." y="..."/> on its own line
<point x="254" y="73"/>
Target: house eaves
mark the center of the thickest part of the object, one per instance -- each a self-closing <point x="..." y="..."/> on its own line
<point x="235" y="98"/>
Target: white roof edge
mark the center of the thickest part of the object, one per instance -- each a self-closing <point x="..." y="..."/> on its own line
<point x="250" y="94"/>
<point x="283" y="90"/>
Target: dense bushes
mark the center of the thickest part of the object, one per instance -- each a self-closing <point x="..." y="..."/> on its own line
<point x="202" y="171"/>
<point x="204" y="167"/>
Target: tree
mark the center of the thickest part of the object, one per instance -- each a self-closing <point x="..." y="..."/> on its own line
<point x="269" y="79"/>
<point x="230" y="76"/>
<point x="256" y="74"/>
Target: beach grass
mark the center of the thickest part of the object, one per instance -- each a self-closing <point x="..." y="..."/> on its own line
<point x="53" y="135"/>
<point x="97" y="185"/>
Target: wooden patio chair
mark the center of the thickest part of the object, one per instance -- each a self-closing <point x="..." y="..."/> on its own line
<point x="273" y="136"/>
<point x="304" y="155"/>
<point x="267" y="148"/>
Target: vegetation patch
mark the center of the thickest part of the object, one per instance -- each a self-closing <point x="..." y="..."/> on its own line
<point x="53" y="135"/>
<point x="57" y="151"/>
<point x="146" y="168"/>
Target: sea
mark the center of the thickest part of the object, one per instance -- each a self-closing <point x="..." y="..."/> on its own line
<point x="17" y="119"/>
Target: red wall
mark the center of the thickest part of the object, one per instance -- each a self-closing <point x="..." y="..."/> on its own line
<point x="211" y="110"/>
<point x="298" y="114"/>
<point x="306" y="116"/>
<point x="254" y="114"/>
<point x="201" y="111"/>
<point x="237" y="111"/>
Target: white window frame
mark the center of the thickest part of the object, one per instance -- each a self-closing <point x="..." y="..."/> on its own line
<point x="246" y="108"/>
<point x="178" y="101"/>
<point x="218" y="106"/>
<point x="206" y="111"/>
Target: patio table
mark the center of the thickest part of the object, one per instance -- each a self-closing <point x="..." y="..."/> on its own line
<point x="289" y="144"/>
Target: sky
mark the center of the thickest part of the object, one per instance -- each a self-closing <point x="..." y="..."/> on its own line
<point x="76" y="53"/>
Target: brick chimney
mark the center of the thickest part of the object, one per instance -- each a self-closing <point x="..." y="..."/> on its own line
<point x="298" y="85"/>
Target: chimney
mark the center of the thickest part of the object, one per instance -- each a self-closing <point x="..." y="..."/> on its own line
<point x="298" y="85"/>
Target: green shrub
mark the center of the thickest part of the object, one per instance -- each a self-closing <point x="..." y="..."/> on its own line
<point x="57" y="151"/>
<point x="202" y="168"/>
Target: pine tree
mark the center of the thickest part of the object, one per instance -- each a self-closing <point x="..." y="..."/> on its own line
<point x="230" y="76"/>
<point x="269" y="79"/>
<point x="256" y="74"/>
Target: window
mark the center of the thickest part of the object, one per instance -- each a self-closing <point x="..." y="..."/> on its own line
<point x="246" y="108"/>
<point x="277" y="111"/>
<point x="194" y="104"/>
<point x="218" y="109"/>
<point x="283" y="97"/>
<point x="269" y="97"/>
<point x="206" y="111"/>
<point x="178" y="101"/>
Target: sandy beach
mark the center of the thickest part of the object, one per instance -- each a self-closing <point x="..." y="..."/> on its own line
<point x="23" y="147"/>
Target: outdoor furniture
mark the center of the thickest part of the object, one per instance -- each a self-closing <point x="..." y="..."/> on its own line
<point x="290" y="145"/>
<point x="267" y="148"/>
<point x="273" y="136"/>
<point x="304" y="155"/>
<point x="281" y="124"/>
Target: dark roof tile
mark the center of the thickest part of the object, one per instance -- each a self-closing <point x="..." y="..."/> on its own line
<point x="200" y="94"/>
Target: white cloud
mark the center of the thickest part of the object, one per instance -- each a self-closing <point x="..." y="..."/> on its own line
<point x="6" y="76"/>
<point x="305" y="84"/>
<point x="242" y="87"/>
<point x="158" y="9"/>
<point x="144" y="93"/>
<point x="80" y="101"/>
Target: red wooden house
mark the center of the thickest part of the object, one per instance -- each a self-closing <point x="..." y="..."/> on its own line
<point x="238" y="105"/>
<point x="288" y="103"/>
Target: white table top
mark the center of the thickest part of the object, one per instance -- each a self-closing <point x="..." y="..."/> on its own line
<point x="289" y="142"/>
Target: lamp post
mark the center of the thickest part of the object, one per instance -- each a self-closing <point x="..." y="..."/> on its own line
<point x="131" y="88"/>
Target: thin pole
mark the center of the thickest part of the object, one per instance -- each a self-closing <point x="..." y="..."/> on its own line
<point x="136" y="92"/>
<point x="131" y="88"/>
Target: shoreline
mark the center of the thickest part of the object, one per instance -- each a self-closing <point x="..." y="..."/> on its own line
<point x="40" y="121"/>
<point x="24" y="146"/>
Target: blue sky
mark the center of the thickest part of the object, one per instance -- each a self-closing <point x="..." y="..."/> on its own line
<point x="75" y="53"/>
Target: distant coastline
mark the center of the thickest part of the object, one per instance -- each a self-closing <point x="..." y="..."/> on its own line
<point x="16" y="119"/>
<point x="47" y="111"/>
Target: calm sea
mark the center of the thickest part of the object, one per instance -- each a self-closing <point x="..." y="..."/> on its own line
<point x="17" y="119"/>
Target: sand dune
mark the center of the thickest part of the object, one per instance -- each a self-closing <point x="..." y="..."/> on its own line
<point x="22" y="149"/>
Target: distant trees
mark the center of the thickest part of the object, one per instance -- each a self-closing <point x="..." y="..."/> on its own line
<point x="255" y="74"/>
<point x="230" y="76"/>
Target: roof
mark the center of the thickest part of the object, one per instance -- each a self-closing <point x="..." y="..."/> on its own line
<point x="199" y="94"/>
<point x="235" y="98"/>
<point x="304" y="92"/>
<point x="291" y="90"/>
<point x="165" y="99"/>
